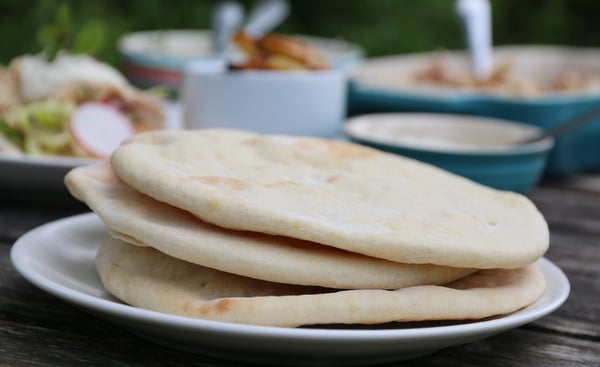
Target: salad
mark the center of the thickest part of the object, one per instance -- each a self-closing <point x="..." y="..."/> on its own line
<point x="72" y="106"/>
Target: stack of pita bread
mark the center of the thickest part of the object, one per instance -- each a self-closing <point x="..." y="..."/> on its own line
<point x="286" y="231"/>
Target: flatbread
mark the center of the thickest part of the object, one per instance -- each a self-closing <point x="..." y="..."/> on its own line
<point x="335" y="193"/>
<point x="141" y="220"/>
<point x="146" y="278"/>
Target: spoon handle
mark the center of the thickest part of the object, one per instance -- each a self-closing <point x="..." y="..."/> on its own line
<point x="476" y="19"/>
<point x="226" y="18"/>
<point x="565" y="127"/>
<point x="265" y="16"/>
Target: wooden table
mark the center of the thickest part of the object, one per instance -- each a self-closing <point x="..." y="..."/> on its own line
<point x="37" y="329"/>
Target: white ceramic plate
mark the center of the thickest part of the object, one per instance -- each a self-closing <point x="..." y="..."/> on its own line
<point x="58" y="257"/>
<point x="44" y="175"/>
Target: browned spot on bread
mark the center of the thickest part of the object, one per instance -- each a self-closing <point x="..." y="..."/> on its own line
<point x="106" y="176"/>
<point x="222" y="182"/>
<point x="337" y="150"/>
<point x="223" y="305"/>
<point x="350" y="151"/>
<point x="284" y="183"/>
<point x="335" y="178"/>
<point x="390" y="225"/>
<point x="251" y="142"/>
<point x="212" y="205"/>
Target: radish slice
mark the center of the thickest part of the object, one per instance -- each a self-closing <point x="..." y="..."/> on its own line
<point x="99" y="128"/>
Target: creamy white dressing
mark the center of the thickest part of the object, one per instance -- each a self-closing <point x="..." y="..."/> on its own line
<point x="39" y="77"/>
<point x="440" y="132"/>
<point x="429" y="142"/>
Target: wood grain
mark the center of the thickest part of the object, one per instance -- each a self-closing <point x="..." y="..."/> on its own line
<point x="37" y="329"/>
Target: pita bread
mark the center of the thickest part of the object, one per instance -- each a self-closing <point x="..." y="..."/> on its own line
<point x="335" y="193"/>
<point x="146" y="278"/>
<point x="141" y="220"/>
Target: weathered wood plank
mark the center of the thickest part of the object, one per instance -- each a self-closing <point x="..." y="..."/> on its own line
<point x="519" y="347"/>
<point x="37" y="329"/>
<point x="589" y="182"/>
<point x="18" y="218"/>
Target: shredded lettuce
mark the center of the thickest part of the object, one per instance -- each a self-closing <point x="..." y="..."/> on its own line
<point x="11" y="134"/>
<point x="40" y="128"/>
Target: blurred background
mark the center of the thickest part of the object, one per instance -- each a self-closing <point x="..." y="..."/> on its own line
<point x="381" y="27"/>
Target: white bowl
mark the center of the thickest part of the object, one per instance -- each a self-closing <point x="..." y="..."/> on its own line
<point x="152" y="58"/>
<point x="307" y="103"/>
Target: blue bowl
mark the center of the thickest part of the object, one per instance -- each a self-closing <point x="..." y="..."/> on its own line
<point x="576" y="151"/>
<point x="480" y="149"/>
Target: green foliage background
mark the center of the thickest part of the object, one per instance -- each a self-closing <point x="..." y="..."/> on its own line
<point x="382" y="27"/>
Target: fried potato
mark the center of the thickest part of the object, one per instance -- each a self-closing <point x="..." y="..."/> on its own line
<point x="277" y="52"/>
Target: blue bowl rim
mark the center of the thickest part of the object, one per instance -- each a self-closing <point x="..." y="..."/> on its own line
<point x="468" y="97"/>
<point x="475" y="96"/>
<point x="542" y="146"/>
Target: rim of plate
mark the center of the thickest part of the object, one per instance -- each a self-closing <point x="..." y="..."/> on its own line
<point x="559" y="283"/>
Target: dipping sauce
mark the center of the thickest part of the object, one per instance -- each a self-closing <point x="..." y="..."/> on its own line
<point x="439" y="132"/>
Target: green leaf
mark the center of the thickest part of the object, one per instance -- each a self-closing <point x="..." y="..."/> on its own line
<point x="63" y="17"/>
<point x="91" y="37"/>
<point x="56" y="35"/>
<point x="11" y="133"/>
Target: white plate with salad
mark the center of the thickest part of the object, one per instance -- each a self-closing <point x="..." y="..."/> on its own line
<point x="73" y="110"/>
<point x="24" y="172"/>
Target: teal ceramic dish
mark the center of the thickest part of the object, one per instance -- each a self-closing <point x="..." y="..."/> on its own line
<point x="383" y="85"/>
<point x="158" y="58"/>
<point x="481" y="149"/>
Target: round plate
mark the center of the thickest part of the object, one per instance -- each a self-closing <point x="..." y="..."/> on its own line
<point x="58" y="257"/>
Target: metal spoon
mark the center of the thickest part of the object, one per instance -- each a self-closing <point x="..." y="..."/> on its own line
<point x="226" y="18"/>
<point x="475" y="16"/>
<point x="265" y="16"/>
<point x="565" y="127"/>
